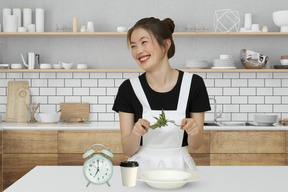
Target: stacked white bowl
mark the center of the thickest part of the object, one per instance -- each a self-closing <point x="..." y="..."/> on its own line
<point x="196" y="64"/>
<point x="225" y="62"/>
<point x="265" y="119"/>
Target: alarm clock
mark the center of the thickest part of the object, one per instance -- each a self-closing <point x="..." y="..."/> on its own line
<point x="98" y="169"/>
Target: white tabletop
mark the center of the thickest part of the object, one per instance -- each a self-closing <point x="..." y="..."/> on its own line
<point x="216" y="178"/>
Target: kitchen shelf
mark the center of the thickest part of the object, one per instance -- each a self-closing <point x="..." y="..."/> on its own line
<point x="138" y="70"/>
<point x="124" y="34"/>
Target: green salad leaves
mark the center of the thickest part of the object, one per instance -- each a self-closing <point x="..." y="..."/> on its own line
<point x="161" y="121"/>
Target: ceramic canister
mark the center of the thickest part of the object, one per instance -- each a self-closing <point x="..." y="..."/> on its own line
<point x="10" y="23"/>
<point x="6" y="11"/>
<point x="27" y="17"/>
<point x="18" y="13"/>
<point x="39" y="19"/>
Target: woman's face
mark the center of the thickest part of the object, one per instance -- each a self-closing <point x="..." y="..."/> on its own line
<point x="145" y="49"/>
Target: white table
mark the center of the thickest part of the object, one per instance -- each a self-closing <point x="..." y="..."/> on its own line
<point x="216" y="178"/>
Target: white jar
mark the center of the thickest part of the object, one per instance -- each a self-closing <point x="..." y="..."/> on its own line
<point x="39" y="14"/>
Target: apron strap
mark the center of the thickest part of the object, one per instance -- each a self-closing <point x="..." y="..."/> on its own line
<point x="184" y="91"/>
<point x="136" y="85"/>
<point x="183" y="95"/>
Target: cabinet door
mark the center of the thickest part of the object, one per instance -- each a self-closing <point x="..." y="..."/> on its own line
<point x="72" y="145"/>
<point x="1" y="175"/>
<point x="20" y="142"/>
<point x="247" y="142"/>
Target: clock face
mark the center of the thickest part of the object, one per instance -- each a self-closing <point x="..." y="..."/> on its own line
<point x="98" y="169"/>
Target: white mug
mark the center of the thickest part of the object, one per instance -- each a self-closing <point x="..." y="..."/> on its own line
<point x="31" y="28"/>
<point x="90" y="26"/>
<point x="22" y="29"/>
<point x="10" y="23"/>
<point x="255" y="28"/>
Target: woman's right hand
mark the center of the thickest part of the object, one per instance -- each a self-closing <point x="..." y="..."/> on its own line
<point x="141" y="127"/>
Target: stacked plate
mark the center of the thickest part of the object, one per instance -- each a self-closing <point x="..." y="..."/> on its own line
<point x="265" y="120"/>
<point x="223" y="64"/>
<point x="196" y="64"/>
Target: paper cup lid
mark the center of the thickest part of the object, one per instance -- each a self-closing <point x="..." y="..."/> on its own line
<point x="129" y="164"/>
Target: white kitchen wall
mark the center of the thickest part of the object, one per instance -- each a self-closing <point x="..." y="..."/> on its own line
<point x="239" y="95"/>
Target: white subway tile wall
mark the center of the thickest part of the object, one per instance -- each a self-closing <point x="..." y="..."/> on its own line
<point x="239" y="95"/>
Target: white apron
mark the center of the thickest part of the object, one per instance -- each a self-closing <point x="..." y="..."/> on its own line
<point x="162" y="147"/>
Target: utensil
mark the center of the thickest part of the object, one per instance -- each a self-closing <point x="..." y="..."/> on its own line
<point x="168" y="178"/>
<point x="253" y="60"/>
<point x="31" y="60"/>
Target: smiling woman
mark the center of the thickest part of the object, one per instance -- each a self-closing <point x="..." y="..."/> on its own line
<point x="183" y="97"/>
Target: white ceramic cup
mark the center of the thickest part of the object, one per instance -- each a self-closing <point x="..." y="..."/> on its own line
<point x="129" y="173"/>
<point x="255" y="28"/>
<point x="31" y="28"/>
<point x="22" y="29"/>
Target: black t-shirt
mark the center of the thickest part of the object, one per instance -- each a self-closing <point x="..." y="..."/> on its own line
<point x="127" y="101"/>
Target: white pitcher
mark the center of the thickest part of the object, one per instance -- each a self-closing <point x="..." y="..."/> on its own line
<point x="10" y="23"/>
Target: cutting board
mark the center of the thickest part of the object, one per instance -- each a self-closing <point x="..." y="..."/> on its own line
<point x="18" y="97"/>
<point x="74" y="111"/>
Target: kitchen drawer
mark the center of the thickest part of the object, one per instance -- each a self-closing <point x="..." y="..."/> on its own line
<point x="201" y="159"/>
<point x="29" y="142"/>
<point x="247" y="159"/>
<point x="80" y="141"/>
<point x="77" y="159"/>
<point x="17" y="165"/>
<point x="286" y="141"/>
<point x="247" y="141"/>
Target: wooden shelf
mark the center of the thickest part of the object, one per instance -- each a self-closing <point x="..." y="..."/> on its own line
<point x="138" y="70"/>
<point x="124" y="34"/>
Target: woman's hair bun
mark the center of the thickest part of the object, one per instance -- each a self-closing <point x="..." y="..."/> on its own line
<point x="170" y="23"/>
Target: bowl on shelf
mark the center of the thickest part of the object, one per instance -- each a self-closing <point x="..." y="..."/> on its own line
<point x="45" y="66"/>
<point x="57" y="66"/>
<point x="284" y="61"/>
<point x="265" y="119"/>
<point x="67" y="65"/>
<point x="253" y="60"/>
<point x="280" y="18"/>
<point x="16" y="66"/>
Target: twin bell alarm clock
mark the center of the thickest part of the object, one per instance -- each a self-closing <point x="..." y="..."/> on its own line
<point x="98" y="169"/>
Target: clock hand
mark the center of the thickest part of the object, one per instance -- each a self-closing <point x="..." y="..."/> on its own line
<point x="96" y="172"/>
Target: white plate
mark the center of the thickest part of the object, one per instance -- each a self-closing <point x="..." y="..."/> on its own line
<point x="168" y="178"/>
<point x="233" y="123"/>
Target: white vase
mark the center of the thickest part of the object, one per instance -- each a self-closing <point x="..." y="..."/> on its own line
<point x="248" y="21"/>
<point x="6" y="11"/>
<point x="10" y="23"/>
<point x="39" y="13"/>
<point x="90" y="26"/>
<point x="27" y="17"/>
<point x="18" y="13"/>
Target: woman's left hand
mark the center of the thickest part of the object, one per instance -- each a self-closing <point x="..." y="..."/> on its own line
<point x="190" y="126"/>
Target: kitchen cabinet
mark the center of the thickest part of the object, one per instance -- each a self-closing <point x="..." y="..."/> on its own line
<point x="23" y="150"/>
<point x="1" y="151"/>
<point x="248" y="147"/>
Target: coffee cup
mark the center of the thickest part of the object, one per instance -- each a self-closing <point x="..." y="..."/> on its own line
<point x="129" y="173"/>
<point x="255" y="28"/>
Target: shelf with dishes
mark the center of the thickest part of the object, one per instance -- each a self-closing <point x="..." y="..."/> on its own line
<point x="124" y="34"/>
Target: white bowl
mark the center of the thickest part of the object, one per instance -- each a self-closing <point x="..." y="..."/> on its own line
<point x="57" y="66"/>
<point x="265" y="119"/>
<point x="121" y="29"/>
<point x="16" y="66"/>
<point x="67" y="65"/>
<point x="49" y="117"/>
<point x="82" y="66"/>
<point x="284" y="61"/>
<point x="280" y="18"/>
<point x="168" y="178"/>
<point x="45" y="66"/>
<point x="225" y="56"/>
